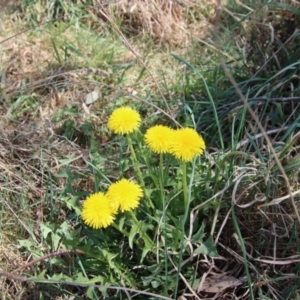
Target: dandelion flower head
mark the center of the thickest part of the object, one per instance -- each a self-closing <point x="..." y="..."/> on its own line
<point x="124" y="120"/>
<point x="187" y="144"/>
<point x="97" y="211"/>
<point x="159" y="138"/>
<point x="124" y="195"/>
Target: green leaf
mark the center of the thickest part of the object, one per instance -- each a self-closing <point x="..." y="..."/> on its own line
<point x="61" y="277"/>
<point x="144" y="253"/>
<point x="155" y="284"/>
<point x="72" y="203"/>
<point x="199" y="235"/>
<point x="134" y="230"/>
<point x="42" y="275"/>
<point x="65" y="230"/>
<point x="45" y="230"/>
<point x="26" y="244"/>
<point x="109" y="257"/>
<point x="90" y="292"/>
<point x="207" y="248"/>
<point x="121" y="222"/>
<point x="56" y="239"/>
<point x="80" y="278"/>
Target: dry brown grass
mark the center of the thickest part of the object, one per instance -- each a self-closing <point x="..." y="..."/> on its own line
<point x="25" y="61"/>
<point x="170" y="23"/>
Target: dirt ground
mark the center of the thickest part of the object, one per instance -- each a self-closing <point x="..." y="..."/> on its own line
<point x="8" y="5"/>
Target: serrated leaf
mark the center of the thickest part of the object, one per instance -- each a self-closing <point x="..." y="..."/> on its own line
<point x="72" y="204"/>
<point x="45" y="230"/>
<point x="61" y="277"/>
<point x="26" y="244"/>
<point x="109" y="256"/>
<point x="42" y="274"/>
<point x="80" y="278"/>
<point x="97" y="279"/>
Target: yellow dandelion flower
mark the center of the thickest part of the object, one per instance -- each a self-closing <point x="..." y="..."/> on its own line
<point x="159" y="138"/>
<point x="187" y="144"/>
<point x="124" y="120"/>
<point x="97" y="211"/>
<point x="124" y="195"/>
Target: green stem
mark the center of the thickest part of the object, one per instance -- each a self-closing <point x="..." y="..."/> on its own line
<point x="187" y="201"/>
<point x="144" y="235"/>
<point x="244" y="251"/>
<point x="184" y="183"/>
<point x="161" y="181"/>
<point x="164" y="219"/>
<point x="136" y="166"/>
